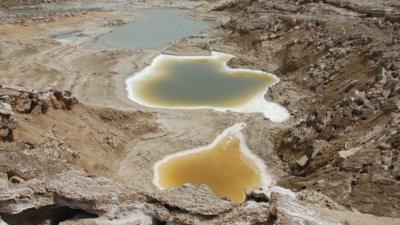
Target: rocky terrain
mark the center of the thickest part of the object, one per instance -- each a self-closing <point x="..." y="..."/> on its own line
<point x="11" y="3"/>
<point x="346" y="55"/>
<point x="42" y="181"/>
<point x="75" y="150"/>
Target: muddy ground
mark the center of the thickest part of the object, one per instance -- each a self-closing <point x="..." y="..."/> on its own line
<point x="90" y="148"/>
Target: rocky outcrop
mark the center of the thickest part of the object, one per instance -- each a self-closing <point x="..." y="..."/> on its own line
<point x="25" y="101"/>
<point x="381" y="8"/>
<point x="291" y="212"/>
<point x="345" y="138"/>
<point x="27" y="161"/>
<point x="112" y="202"/>
<point x="7" y="121"/>
<point x="74" y="189"/>
<point x="200" y="200"/>
<point x="22" y="160"/>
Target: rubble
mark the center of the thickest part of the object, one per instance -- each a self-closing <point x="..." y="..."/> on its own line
<point x="347" y="127"/>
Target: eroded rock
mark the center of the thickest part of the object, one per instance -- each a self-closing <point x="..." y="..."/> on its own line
<point x="7" y="121"/>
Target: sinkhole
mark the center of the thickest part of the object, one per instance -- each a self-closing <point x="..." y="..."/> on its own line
<point x="197" y="82"/>
<point x="227" y="166"/>
<point x="156" y="29"/>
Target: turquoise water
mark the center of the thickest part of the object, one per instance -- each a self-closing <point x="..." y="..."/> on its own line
<point x="156" y="29"/>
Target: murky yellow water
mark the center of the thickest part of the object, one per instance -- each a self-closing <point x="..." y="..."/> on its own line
<point x="198" y="82"/>
<point x="223" y="168"/>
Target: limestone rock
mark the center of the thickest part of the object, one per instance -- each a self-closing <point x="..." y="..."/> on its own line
<point x="302" y="161"/>
<point x="27" y="100"/>
<point x="319" y="146"/>
<point x="348" y="153"/>
<point x="291" y="212"/>
<point x="74" y="189"/>
<point x="199" y="200"/>
<point x="7" y="121"/>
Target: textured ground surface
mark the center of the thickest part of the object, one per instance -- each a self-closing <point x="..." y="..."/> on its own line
<point x="90" y="156"/>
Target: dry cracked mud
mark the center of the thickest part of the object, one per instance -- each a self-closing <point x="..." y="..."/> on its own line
<point x="75" y="150"/>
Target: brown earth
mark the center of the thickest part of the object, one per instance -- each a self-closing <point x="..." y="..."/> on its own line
<point x="349" y="62"/>
<point x="89" y="151"/>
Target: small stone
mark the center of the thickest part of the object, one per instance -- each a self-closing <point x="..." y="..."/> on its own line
<point x="386" y="93"/>
<point x="395" y="89"/>
<point x="382" y="76"/>
<point x="318" y="147"/>
<point x="56" y="104"/>
<point x="382" y="179"/>
<point x="390" y="106"/>
<point x="351" y="85"/>
<point x="23" y="105"/>
<point x="7" y="121"/>
<point x="4" y="132"/>
<point x="348" y="153"/>
<point x="384" y="146"/>
<point x="5" y="109"/>
<point x="395" y="140"/>
<point x="302" y="161"/>
<point x="396" y="26"/>
<point x="395" y="121"/>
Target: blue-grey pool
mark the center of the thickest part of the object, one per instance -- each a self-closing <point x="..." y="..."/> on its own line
<point x="156" y="29"/>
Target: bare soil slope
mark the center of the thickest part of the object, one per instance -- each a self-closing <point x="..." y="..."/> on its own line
<point x="345" y="54"/>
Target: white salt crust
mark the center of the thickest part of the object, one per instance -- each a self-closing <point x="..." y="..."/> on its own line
<point x="257" y="104"/>
<point x="235" y="130"/>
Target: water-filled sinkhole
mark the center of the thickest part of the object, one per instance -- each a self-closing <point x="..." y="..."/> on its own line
<point x="195" y="82"/>
<point x="156" y="29"/>
<point x="227" y="166"/>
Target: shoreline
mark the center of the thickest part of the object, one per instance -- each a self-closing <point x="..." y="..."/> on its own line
<point x="236" y="130"/>
<point x="257" y="104"/>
